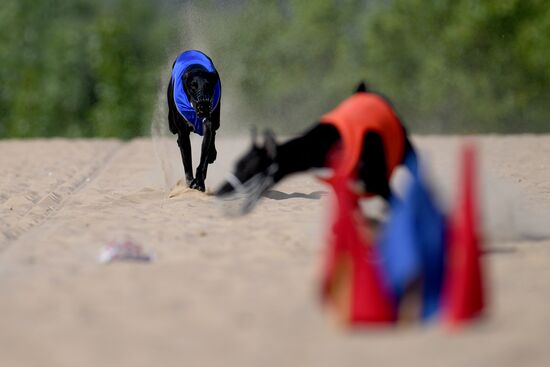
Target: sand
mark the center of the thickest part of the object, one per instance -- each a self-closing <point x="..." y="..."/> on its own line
<point x="237" y="291"/>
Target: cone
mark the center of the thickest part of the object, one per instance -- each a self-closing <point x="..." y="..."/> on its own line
<point x="352" y="283"/>
<point x="464" y="291"/>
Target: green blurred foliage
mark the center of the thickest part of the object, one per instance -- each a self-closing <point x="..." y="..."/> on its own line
<point x="466" y="66"/>
<point x="80" y="67"/>
<point x="93" y="67"/>
<point x="449" y="65"/>
<point x="290" y="59"/>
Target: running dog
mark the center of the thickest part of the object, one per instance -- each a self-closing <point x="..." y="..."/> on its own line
<point x="194" y="102"/>
<point x="362" y="139"/>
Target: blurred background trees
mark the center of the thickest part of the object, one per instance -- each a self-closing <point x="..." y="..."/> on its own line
<point x="80" y="67"/>
<point x="94" y="67"/>
<point x="462" y="66"/>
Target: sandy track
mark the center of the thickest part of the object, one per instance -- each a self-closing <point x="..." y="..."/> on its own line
<point x="37" y="179"/>
<point x="225" y="291"/>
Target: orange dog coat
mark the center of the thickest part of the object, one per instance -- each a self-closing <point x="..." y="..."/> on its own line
<point x="354" y="117"/>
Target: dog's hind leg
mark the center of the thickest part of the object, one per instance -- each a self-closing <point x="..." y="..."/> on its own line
<point x="372" y="166"/>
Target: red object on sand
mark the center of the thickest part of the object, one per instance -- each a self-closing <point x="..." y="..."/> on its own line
<point x="352" y="282"/>
<point x="464" y="290"/>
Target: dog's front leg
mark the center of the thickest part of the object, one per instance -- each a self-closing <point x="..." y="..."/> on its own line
<point x="200" y="175"/>
<point x="185" y="149"/>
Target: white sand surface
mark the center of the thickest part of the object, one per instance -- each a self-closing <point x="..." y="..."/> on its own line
<point x="238" y="291"/>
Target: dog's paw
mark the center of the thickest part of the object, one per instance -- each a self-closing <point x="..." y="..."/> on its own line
<point x="198" y="184"/>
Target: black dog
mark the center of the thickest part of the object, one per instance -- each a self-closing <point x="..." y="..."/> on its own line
<point x="194" y="103"/>
<point x="272" y="162"/>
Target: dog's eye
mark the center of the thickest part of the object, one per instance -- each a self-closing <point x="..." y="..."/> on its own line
<point x="194" y="85"/>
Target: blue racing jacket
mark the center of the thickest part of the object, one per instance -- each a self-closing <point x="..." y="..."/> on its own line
<point x="183" y="105"/>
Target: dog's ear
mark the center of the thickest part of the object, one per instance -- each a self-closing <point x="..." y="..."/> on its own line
<point x="212" y="78"/>
<point x="254" y="136"/>
<point x="270" y="144"/>
<point x="362" y="87"/>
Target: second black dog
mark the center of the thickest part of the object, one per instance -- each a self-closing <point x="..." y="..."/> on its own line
<point x="373" y="151"/>
<point x="194" y="102"/>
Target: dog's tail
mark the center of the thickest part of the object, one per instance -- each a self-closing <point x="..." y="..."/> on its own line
<point x="362" y="87"/>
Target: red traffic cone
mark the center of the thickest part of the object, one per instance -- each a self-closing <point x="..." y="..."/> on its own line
<point x="352" y="283"/>
<point x="464" y="291"/>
